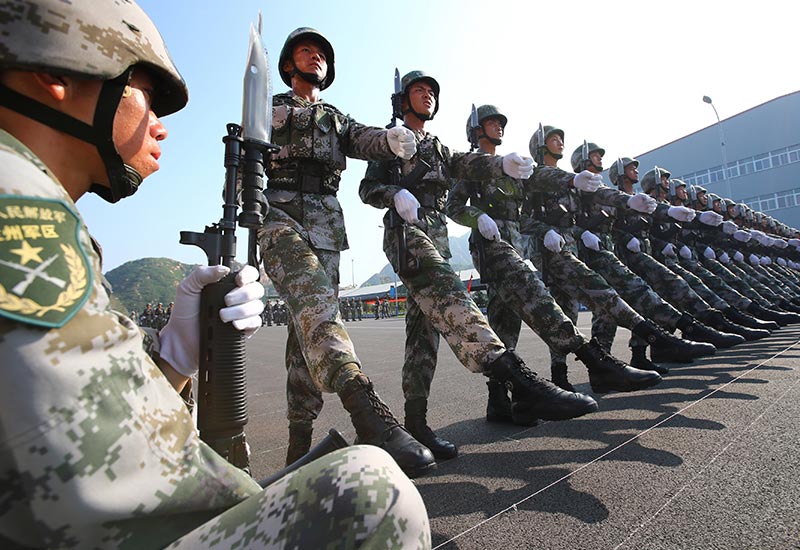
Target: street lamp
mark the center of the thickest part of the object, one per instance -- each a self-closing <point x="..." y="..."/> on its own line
<point x="727" y="183"/>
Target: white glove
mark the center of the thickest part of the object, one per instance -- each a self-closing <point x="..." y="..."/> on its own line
<point x="407" y="206"/>
<point x="739" y="257"/>
<point x="668" y="250"/>
<point x="642" y="203"/>
<point x="517" y="167"/>
<point x="488" y="228"/>
<point x="729" y="227"/>
<point x="587" y="181"/>
<point x="755" y="260"/>
<point x="401" y="142"/>
<point x="757" y="234"/>
<point x="710" y="218"/>
<point x="779" y="243"/>
<point x="590" y="240"/>
<point x="180" y="337"/>
<point x="781" y="262"/>
<point x="724" y="258"/>
<point x="634" y="245"/>
<point x="742" y="236"/>
<point x="709" y="253"/>
<point x="553" y="241"/>
<point x="792" y="264"/>
<point x="681" y="213"/>
<point x="766" y="260"/>
<point x="685" y="252"/>
<point x="795" y="242"/>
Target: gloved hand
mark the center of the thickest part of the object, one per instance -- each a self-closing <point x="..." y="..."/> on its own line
<point x="685" y="252"/>
<point x="779" y="243"/>
<point x="710" y="218"/>
<point x="781" y="262"/>
<point x="590" y="240"/>
<point x="681" y="213"/>
<point x="795" y="242"/>
<point x="757" y="234"/>
<point x="517" y="167"/>
<point x="742" y="236"/>
<point x="668" y="250"/>
<point x="407" y="206"/>
<point x="724" y="258"/>
<point x="488" y="228"/>
<point x="553" y="241"/>
<point x="739" y="257"/>
<point x="766" y="260"/>
<point x="402" y="142"/>
<point x="641" y="202"/>
<point x="587" y="181"/>
<point x="180" y="337"/>
<point x="729" y="227"/>
<point x="709" y="253"/>
<point x="634" y="245"/>
<point x="755" y="260"/>
<point x="792" y="264"/>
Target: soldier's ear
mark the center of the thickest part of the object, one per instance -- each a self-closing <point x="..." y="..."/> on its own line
<point x="53" y="85"/>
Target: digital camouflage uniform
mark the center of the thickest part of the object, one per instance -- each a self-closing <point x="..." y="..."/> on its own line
<point x="97" y="450"/>
<point x="515" y="291"/>
<point x="438" y="304"/>
<point x="303" y="235"/>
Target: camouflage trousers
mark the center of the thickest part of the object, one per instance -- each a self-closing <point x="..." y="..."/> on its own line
<point x="571" y="281"/>
<point x="767" y="286"/>
<point x="522" y="293"/>
<point x="730" y="295"/>
<point x="785" y="277"/>
<point x="439" y="305"/>
<point x="318" y="345"/>
<point x="352" y="498"/>
<point x="697" y="284"/>
<point x="767" y="276"/>
<point x="633" y="289"/>
<point x="503" y="320"/>
<point x="667" y="284"/>
<point x="737" y="277"/>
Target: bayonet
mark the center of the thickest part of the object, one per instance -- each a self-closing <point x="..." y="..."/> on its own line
<point x="473" y="129"/>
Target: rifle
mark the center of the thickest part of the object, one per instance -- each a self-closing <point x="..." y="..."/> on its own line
<point x="221" y="394"/>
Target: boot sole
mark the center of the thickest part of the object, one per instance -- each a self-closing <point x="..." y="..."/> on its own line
<point x="414" y="473"/>
<point x="521" y="418"/>
<point x="607" y="389"/>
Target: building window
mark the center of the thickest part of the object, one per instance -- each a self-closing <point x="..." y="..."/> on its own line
<point x="750" y="165"/>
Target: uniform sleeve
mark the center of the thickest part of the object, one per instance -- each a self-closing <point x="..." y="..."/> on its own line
<point x="611" y="197"/>
<point x="547" y="179"/>
<point x="375" y="188"/>
<point x="473" y="166"/>
<point x="457" y="209"/>
<point x="365" y="142"/>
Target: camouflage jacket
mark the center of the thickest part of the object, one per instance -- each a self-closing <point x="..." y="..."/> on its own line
<point x="502" y="200"/>
<point x="431" y="190"/>
<point x="97" y="450"/>
<point x="303" y="177"/>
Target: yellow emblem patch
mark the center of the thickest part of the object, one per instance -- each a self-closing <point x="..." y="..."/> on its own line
<point x="44" y="271"/>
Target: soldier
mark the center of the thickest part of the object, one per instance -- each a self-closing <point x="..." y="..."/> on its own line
<point x="158" y="317"/>
<point x="301" y="241"/>
<point x="515" y="291"/>
<point x="438" y="304"/>
<point x="359" y="308"/>
<point x="98" y="449"/>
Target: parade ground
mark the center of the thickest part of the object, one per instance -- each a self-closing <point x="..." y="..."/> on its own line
<point x="710" y="458"/>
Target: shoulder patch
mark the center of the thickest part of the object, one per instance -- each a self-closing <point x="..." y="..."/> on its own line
<point x="45" y="275"/>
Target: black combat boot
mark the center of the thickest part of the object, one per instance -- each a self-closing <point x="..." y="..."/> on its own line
<point x="715" y="319"/>
<point x="533" y="397"/>
<point x="640" y="361"/>
<point x="498" y="407"/>
<point x="741" y="318"/>
<point x="666" y="348"/>
<point x="767" y="314"/>
<point x="558" y="376"/>
<point x="299" y="440"/>
<point x="786" y="305"/>
<point x="607" y="373"/>
<point x="376" y="425"/>
<point x="693" y="329"/>
<point x="417" y="426"/>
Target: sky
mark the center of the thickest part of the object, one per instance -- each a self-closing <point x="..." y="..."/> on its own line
<point x="627" y="75"/>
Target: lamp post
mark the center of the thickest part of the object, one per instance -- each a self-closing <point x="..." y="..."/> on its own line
<point x="727" y="183"/>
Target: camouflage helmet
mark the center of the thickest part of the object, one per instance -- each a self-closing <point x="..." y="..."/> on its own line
<point x="649" y="179"/>
<point x="415" y="76"/>
<point x="695" y="192"/>
<point x="613" y="170"/>
<point x="534" y="145"/>
<point x="674" y="184"/>
<point x="100" y="42"/>
<point x="577" y="155"/>
<point x="484" y="112"/>
<point x="306" y="33"/>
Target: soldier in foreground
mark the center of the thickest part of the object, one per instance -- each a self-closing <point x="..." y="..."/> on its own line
<point x="438" y="304"/>
<point x="301" y="241"/>
<point x="97" y="448"/>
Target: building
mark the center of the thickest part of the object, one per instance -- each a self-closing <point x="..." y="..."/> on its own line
<point x="762" y="149"/>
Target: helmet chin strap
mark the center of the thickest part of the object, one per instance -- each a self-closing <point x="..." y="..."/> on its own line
<point x="493" y="141"/>
<point x="123" y="180"/>
<point x="311" y="78"/>
<point x="556" y="156"/>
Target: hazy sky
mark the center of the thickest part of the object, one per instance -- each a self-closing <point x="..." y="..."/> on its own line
<point x="627" y="75"/>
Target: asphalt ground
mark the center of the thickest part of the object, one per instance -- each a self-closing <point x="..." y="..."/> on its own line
<point x="709" y="458"/>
